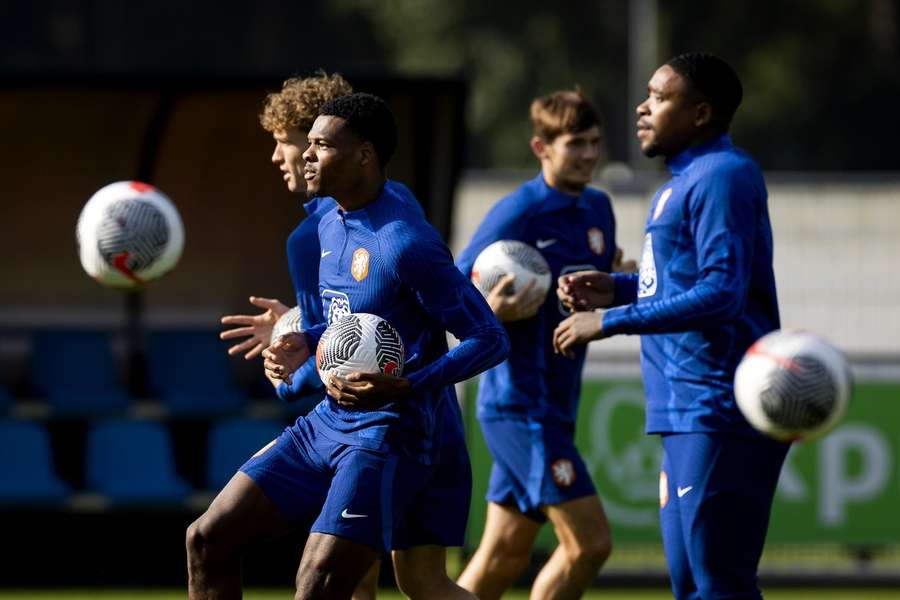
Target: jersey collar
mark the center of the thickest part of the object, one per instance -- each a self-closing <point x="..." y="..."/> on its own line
<point x="554" y="199"/>
<point x="313" y="205"/>
<point x="682" y="161"/>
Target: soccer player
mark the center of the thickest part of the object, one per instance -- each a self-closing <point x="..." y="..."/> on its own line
<point x="527" y="405"/>
<point x="375" y="450"/>
<point x="704" y="294"/>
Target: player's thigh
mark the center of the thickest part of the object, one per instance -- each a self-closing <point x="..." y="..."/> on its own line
<point x="674" y="536"/>
<point x="240" y="515"/>
<point x="581" y="524"/>
<point x="420" y="563"/>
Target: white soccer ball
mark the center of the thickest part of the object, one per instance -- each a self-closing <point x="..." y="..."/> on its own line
<point x="289" y="322"/>
<point x="359" y="342"/>
<point x="129" y="233"/>
<point x="793" y="385"/>
<point x="511" y="256"/>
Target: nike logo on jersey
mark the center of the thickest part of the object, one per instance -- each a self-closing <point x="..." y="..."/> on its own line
<point x="541" y="244"/>
<point x="349" y="515"/>
<point x="325" y="253"/>
<point x="683" y="490"/>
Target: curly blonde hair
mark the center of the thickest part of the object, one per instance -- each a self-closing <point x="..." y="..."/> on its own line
<point x="297" y="104"/>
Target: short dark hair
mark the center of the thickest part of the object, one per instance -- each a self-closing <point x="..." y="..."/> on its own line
<point x="563" y="111"/>
<point x="370" y="118"/>
<point x="714" y="80"/>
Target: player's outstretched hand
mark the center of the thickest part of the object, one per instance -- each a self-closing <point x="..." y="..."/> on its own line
<point x="620" y="265"/>
<point x="517" y="306"/>
<point x="585" y="290"/>
<point x="256" y="328"/>
<point x="577" y="328"/>
<point x="366" y="390"/>
<point x="285" y="356"/>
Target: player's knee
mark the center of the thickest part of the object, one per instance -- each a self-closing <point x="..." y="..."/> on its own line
<point x="509" y="559"/>
<point x="203" y="537"/>
<point x="592" y="551"/>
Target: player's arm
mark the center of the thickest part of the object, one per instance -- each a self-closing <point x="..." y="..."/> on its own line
<point x="451" y="299"/>
<point x="304" y="382"/>
<point x="723" y="229"/>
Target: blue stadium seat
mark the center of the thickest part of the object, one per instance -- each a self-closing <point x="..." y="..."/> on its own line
<point x="231" y="443"/>
<point x="190" y="372"/>
<point x="75" y="371"/>
<point x="132" y="462"/>
<point x="26" y="463"/>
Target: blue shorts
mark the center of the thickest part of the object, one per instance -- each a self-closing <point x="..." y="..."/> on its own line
<point x="335" y="488"/>
<point x="716" y="494"/>
<point x="440" y="512"/>
<point x="371" y="497"/>
<point x="535" y="464"/>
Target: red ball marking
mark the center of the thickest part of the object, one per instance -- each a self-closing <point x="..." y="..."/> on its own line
<point x="390" y="367"/>
<point x="141" y="187"/>
<point x="476" y="276"/>
<point x="319" y="356"/>
<point x="120" y="263"/>
<point x="760" y="349"/>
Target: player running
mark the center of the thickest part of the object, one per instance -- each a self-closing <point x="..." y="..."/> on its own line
<point x="377" y="445"/>
<point x="527" y="404"/>
<point x="705" y="293"/>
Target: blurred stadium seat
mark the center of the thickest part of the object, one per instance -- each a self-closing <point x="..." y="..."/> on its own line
<point x="231" y="443"/>
<point x="189" y="371"/>
<point x="75" y="371"/>
<point x="26" y="461"/>
<point x="132" y="462"/>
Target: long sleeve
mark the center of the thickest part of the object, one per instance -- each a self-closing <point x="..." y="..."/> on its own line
<point x="723" y="222"/>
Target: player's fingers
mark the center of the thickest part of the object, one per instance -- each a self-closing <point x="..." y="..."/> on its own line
<point x="242" y="346"/>
<point x="269" y="304"/>
<point x="237" y="320"/>
<point x="236" y="332"/>
<point x="255" y="351"/>
<point x="503" y="284"/>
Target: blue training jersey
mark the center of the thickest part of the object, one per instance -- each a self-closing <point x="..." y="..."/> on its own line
<point x="303" y="263"/>
<point x="573" y="233"/>
<point x="705" y="291"/>
<point x="387" y="260"/>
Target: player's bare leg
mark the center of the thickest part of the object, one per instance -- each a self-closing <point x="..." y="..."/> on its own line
<point x="503" y="553"/>
<point x="422" y="575"/>
<point x="584" y="545"/>
<point x="240" y="516"/>
<point x="332" y="567"/>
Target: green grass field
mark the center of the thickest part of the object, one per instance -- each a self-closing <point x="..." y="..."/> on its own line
<point x="792" y="594"/>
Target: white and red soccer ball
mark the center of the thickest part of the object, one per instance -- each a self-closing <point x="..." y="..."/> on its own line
<point x="793" y="385"/>
<point x="359" y="342"/>
<point x="128" y="234"/>
<point x="523" y="261"/>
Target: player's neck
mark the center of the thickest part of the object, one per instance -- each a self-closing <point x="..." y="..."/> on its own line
<point x="561" y="186"/>
<point x="362" y="195"/>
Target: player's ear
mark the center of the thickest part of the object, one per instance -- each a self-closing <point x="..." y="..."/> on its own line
<point x="367" y="153"/>
<point x="539" y="147"/>
<point x="703" y="115"/>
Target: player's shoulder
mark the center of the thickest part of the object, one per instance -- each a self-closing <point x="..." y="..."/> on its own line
<point x="520" y="204"/>
<point x="729" y="162"/>
<point x="596" y="198"/>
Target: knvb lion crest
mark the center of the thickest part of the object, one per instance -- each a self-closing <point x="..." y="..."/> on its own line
<point x="359" y="268"/>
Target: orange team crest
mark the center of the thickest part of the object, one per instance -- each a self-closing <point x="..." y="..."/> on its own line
<point x="359" y="268"/>
<point x="596" y="241"/>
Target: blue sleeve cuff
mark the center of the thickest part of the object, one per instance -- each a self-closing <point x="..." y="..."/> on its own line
<point x="624" y="288"/>
<point x="614" y="321"/>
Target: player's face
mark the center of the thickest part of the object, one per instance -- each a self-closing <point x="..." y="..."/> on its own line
<point x="667" y="119"/>
<point x="332" y="158"/>
<point x="288" y="157"/>
<point x="569" y="160"/>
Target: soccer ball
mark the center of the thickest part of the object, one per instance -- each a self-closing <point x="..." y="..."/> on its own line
<point x="289" y="322"/>
<point x="511" y="256"/>
<point x="129" y="233"/>
<point x="793" y="385"/>
<point x="359" y="342"/>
